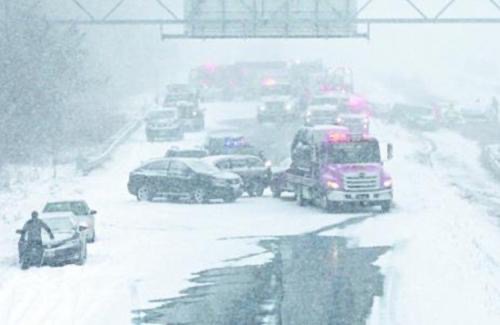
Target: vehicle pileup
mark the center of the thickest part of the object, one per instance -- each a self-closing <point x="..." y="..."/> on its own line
<point x="185" y="99"/>
<point x="333" y="168"/>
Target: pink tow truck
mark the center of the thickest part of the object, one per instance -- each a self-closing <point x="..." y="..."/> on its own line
<point x="332" y="168"/>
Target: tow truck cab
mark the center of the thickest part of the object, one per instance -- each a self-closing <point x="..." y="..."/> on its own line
<point x="331" y="168"/>
<point x="323" y="109"/>
<point x="276" y="102"/>
<point x="358" y="124"/>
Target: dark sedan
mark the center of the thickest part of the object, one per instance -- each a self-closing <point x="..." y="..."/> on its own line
<point x="183" y="178"/>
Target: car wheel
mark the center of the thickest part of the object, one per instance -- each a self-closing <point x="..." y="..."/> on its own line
<point x="92" y="238"/>
<point x="144" y="193"/>
<point x="259" y="189"/>
<point x="386" y="206"/>
<point x="276" y="192"/>
<point x="199" y="196"/>
<point x="229" y="198"/>
<point x="83" y="255"/>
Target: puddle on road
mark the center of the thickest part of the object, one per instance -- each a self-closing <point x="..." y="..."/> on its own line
<point x="310" y="280"/>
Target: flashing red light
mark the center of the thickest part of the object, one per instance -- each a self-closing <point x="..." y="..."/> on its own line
<point x="269" y="82"/>
<point x="335" y="137"/>
<point x="210" y="67"/>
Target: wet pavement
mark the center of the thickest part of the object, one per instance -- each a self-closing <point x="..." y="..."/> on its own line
<point x="311" y="279"/>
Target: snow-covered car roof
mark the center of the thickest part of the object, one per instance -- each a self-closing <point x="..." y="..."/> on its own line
<point x="216" y="158"/>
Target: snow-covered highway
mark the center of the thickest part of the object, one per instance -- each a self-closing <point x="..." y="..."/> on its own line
<point x="441" y="265"/>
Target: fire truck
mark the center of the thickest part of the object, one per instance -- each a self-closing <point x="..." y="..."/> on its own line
<point x="333" y="169"/>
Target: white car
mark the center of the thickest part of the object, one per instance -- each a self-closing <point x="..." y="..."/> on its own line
<point x="84" y="215"/>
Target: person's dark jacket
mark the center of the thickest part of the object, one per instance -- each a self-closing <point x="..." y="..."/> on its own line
<point x="32" y="230"/>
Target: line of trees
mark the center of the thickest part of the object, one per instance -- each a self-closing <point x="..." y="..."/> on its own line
<point x="44" y="85"/>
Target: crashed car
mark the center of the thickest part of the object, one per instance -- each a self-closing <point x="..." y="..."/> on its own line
<point x="69" y="244"/>
<point x="229" y="142"/>
<point x="279" y="182"/>
<point x="82" y="212"/>
<point x="254" y="172"/>
<point x="417" y="117"/>
<point x="183" y="179"/>
<point x="164" y="124"/>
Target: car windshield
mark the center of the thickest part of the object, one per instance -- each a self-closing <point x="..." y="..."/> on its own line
<point x="202" y="167"/>
<point x="59" y="224"/>
<point x="353" y="153"/>
<point x="78" y="208"/>
<point x="161" y="115"/>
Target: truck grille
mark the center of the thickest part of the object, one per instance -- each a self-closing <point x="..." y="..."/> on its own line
<point x="360" y="182"/>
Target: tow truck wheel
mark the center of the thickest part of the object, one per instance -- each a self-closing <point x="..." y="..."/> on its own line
<point x="300" y="196"/>
<point x="386" y="206"/>
<point x="326" y="205"/>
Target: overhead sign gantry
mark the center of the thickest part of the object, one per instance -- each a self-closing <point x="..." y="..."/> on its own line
<point x="209" y="19"/>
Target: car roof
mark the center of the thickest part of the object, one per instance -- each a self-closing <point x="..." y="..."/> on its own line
<point x="216" y="158"/>
<point x="69" y="200"/>
<point x="59" y="214"/>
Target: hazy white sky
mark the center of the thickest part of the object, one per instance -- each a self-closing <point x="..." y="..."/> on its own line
<point x="453" y="60"/>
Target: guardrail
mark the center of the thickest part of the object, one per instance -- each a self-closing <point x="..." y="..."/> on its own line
<point x="87" y="164"/>
<point x="491" y="158"/>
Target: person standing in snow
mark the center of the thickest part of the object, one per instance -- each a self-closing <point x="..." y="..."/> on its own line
<point x="31" y="239"/>
<point x="33" y="229"/>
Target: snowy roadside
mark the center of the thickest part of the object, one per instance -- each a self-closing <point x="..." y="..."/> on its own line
<point x="144" y="251"/>
<point x="444" y="267"/>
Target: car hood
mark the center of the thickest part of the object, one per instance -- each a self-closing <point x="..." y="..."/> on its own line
<point x="59" y="238"/>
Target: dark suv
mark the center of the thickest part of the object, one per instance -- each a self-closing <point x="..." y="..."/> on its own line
<point x="164" y="124"/>
<point x="183" y="178"/>
<point x="175" y="152"/>
<point x="254" y="172"/>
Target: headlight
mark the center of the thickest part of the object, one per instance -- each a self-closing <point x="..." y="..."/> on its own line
<point x="268" y="163"/>
<point x="388" y="183"/>
<point x="332" y="185"/>
<point x="339" y="121"/>
<point x="195" y="113"/>
<point x="288" y="107"/>
<point x="309" y="113"/>
<point x="262" y="108"/>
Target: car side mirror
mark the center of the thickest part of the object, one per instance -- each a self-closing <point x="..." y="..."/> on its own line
<point x="19" y="231"/>
<point x="93" y="212"/>
<point x="390" y="151"/>
<point x="82" y="228"/>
